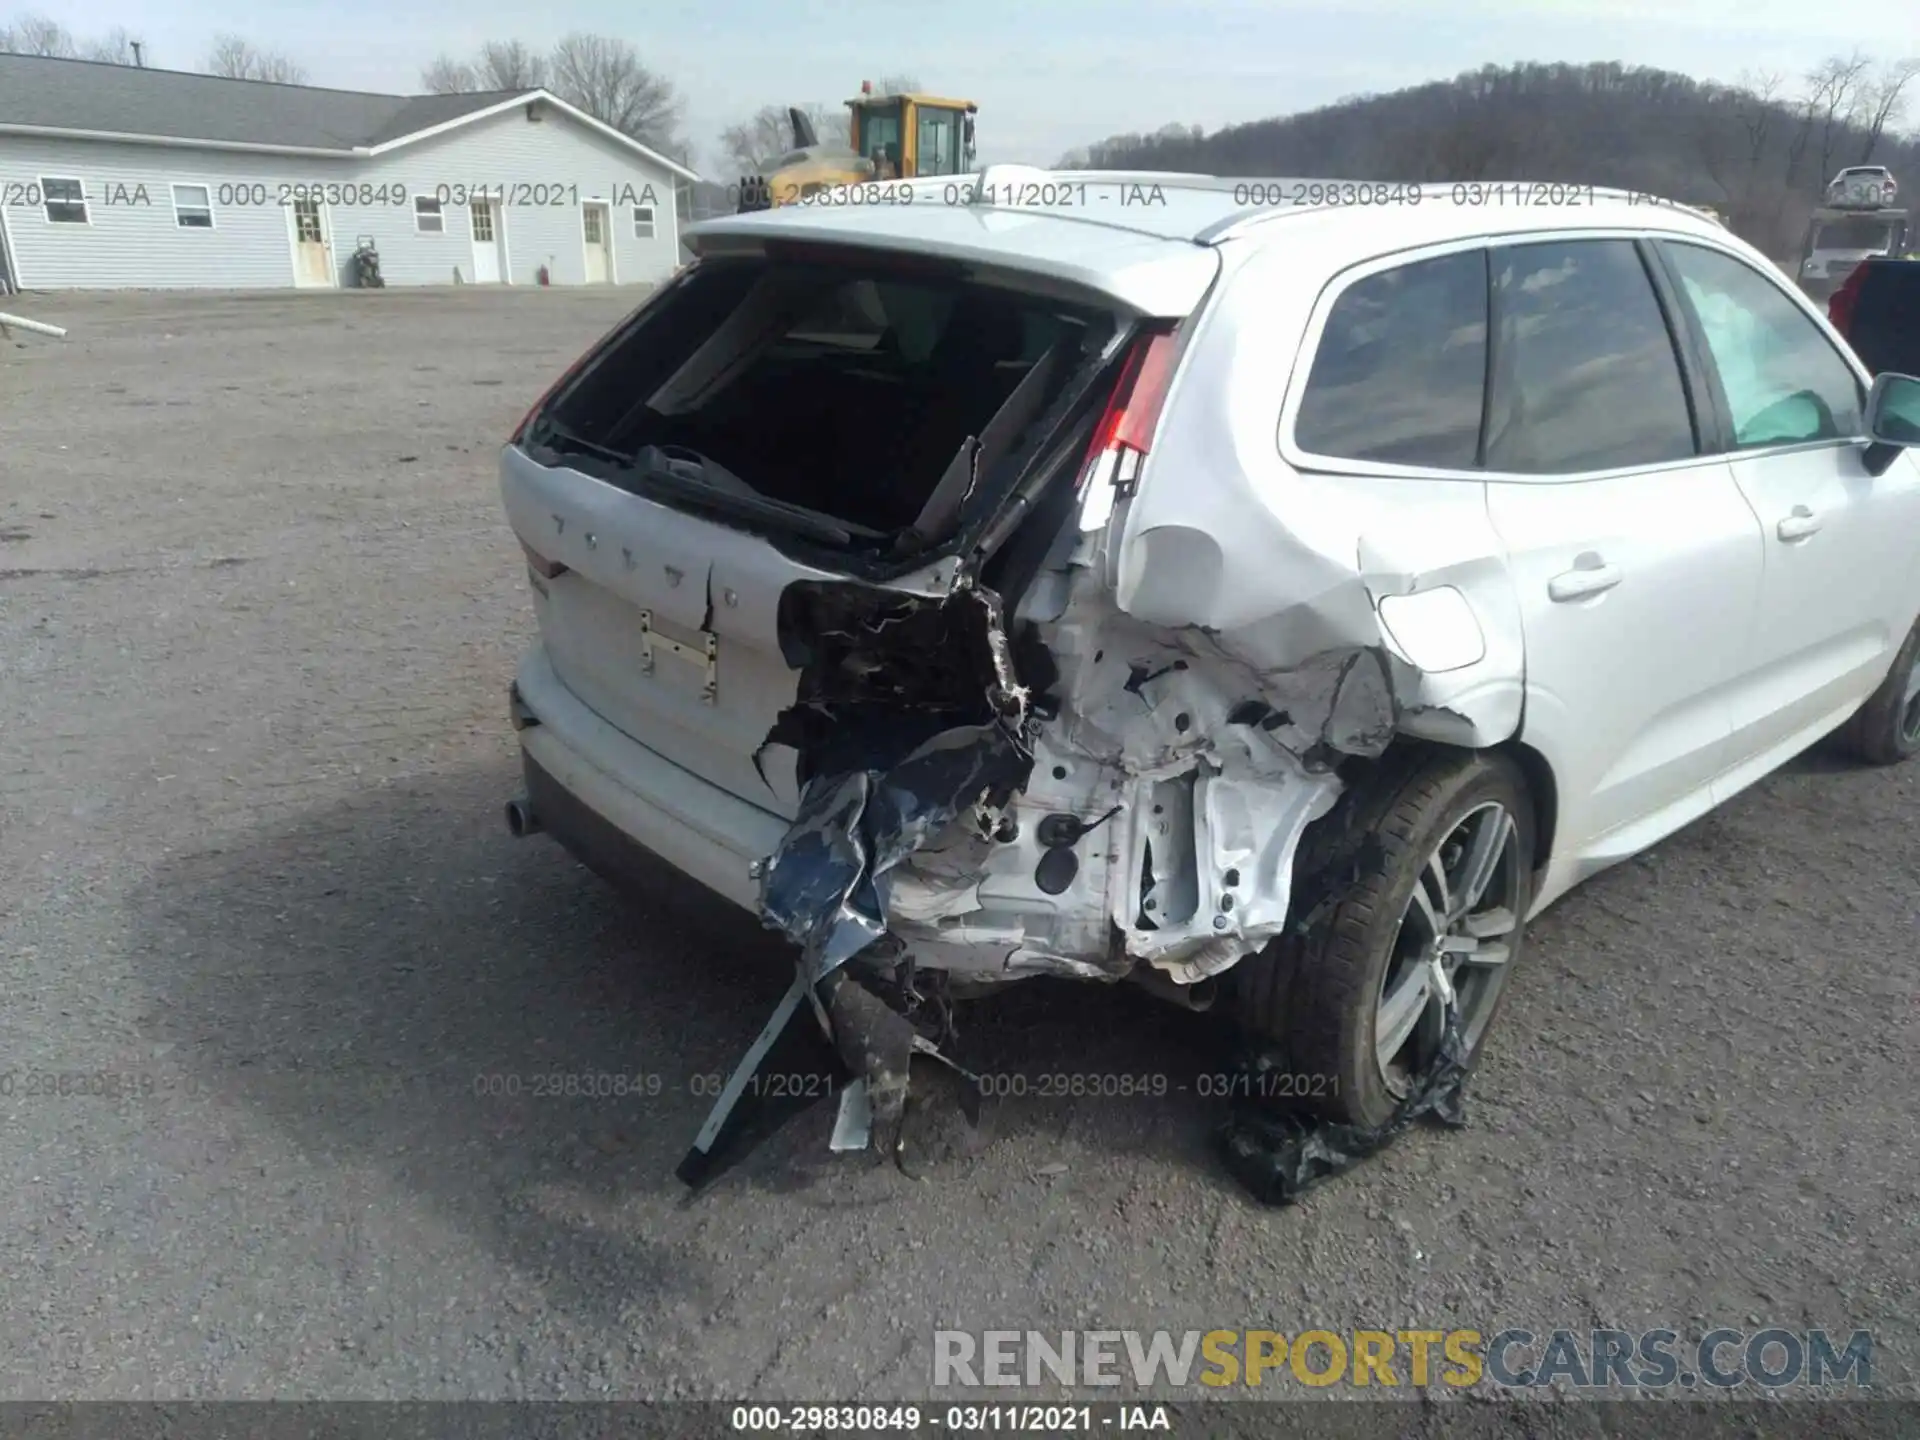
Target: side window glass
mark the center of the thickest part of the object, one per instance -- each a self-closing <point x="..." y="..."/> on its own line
<point x="1784" y="381"/>
<point x="1587" y="377"/>
<point x="1400" y="373"/>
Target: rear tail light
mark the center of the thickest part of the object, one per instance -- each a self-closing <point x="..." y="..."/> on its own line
<point x="1841" y="304"/>
<point x="1125" y="433"/>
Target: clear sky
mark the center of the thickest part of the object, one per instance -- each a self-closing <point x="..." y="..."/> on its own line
<point x="1049" y="74"/>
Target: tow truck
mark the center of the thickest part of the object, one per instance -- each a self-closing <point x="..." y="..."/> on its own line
<point x="1859" y="222"/>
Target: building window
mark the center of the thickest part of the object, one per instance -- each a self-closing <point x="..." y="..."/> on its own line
<point x="306" y="222"/>
<point x="427" y="218"/>
<point x="643" y="222"/>
<point x="192" y="207"/>
<point x="66" y="201"/>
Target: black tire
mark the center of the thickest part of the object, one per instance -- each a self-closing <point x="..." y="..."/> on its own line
<point x="1314" y="994"/>
<point x="1886" y="730"/>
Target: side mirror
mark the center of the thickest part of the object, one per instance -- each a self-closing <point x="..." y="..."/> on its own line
<point x="1893" y="410"/>
<point x="1893" y="419"/>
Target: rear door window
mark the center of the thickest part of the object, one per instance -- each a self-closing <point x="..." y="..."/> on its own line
<point x="1784" y="382"/>
<point x="1587" y="375"/>
<point x="1399" y="375"/>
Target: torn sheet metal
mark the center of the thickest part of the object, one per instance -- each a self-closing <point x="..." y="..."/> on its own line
<point x="826" y="886"/>
<point x="1279" y="1154"/>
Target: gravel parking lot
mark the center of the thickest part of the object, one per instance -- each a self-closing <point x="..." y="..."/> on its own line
<point x="258" y="612"/>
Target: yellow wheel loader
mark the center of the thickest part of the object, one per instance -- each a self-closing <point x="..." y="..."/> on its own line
<point x="890" y="137"/>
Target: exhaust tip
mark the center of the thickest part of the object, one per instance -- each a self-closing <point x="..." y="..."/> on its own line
<point x="521" y="821"/>
<point x="1199" y="996"/>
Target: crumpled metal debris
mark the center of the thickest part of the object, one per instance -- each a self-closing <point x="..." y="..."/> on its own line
<point x="825" y="887"/>
<point x="1279" y="1154"/>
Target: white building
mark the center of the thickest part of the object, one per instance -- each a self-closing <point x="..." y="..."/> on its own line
<point x="117" y="177"/>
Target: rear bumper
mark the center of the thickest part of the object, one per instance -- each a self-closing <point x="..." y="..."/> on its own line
<point x="621" y="809"/>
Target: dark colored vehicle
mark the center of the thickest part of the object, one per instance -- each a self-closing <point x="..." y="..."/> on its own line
<point x="1878" y="310"/>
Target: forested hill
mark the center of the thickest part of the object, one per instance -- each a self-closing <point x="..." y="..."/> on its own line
<point x="1759" y="154"/>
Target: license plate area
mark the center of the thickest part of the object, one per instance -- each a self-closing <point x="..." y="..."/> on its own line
<point x="703" y="652"/>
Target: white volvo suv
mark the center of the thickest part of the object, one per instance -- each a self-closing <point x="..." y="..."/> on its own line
<point x="1131" y="577"/>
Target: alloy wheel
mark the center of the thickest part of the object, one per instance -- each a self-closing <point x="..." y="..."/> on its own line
<point x="1455" y="941"/>
<point x="1910" y="707"/>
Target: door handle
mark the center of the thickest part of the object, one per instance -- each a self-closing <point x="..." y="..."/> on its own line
<point x="1797" y="525"/>
<point x="1590" y="576"/>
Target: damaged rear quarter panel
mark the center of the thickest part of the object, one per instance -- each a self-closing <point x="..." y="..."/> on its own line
<point x="1284" y="569"/>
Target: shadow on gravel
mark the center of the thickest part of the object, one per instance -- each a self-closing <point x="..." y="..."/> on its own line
<point x="402" y="989"/>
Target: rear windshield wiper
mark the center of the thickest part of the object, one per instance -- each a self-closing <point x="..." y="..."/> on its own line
<point x="682" y="472"/>
<point x="671" y="470"/>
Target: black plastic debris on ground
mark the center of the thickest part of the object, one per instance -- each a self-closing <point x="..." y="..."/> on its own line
<point x="1280" y="1154"/>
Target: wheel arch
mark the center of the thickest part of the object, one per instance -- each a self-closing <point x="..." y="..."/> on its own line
<point x="1543" y="789"/>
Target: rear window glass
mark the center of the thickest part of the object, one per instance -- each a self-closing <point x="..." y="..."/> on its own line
<point x="1588" y="377"/>
<point x="1400" y="372"/>
<point x="848" y="390"/>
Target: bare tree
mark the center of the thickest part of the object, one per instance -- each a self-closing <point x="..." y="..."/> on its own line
<point x="1884" y="101"/>
<point x="236" y="59"/>
<point x="500" y="65"/>
<point x="1757" y="103"/>
<point x="903" y="82"/>
<point x="1833" y="101"/>
<point x="510" y="65"/>
<point x="38" y="35"/>
<point x="113" y="48"/>
<point x="448" y="76"/>
<point x="768" y="134"/>
<point x="604" y="76"/>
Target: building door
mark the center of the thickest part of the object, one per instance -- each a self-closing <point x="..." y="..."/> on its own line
<point x="312" y="262"/>
<point x="485" y="217"/>
<point x="598" y="234"/>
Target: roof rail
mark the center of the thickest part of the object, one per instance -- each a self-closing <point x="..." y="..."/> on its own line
<point x="1010" y="179"/>
<point x="1458" y="191"/>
